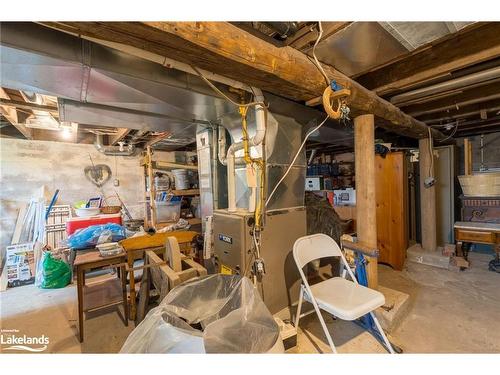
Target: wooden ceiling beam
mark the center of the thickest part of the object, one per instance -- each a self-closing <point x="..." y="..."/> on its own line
<point x="459" y="99"/>
<point x="223" y="48"/>
<point x="471" y="45"/>
<point x="26" y="105"/>
<point x="491" y="128"/>
<point x="10" y="113"/>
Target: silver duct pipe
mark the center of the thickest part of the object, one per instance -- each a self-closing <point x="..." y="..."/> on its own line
<point x="452" y="84"/>
<point x="113" y="150"/>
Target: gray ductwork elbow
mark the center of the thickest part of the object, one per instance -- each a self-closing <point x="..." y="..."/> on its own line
<point x="113" y="150"/>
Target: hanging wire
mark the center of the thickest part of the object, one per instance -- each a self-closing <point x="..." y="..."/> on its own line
<point x="224" y="95"/>
<point x="318" y="64"/>
<point x="294" y="159"/>
<point x="452" y="133"/>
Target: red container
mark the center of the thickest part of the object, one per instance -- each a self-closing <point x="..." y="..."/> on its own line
<point x="75" y="223"/>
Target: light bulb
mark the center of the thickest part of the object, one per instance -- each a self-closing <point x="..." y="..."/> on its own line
<point x="66" y="133"/>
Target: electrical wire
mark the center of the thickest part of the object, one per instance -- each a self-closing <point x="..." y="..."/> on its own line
<point x="452" y="133"/>
<point x="318" y="64"/>
<point x="294" y="159"/>
<point x="224" y="95"/>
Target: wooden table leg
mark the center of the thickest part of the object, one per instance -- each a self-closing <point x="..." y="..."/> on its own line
<point x="123" y="277"/>
<point x="79" y="285"/>
<point x="465" y="249"/>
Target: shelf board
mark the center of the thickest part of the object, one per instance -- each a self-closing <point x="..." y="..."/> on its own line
<point x="186" y="192"/>
<point x="167" y="165"/>
<point x="192" y="221"/>
<point x="102" y="294"/>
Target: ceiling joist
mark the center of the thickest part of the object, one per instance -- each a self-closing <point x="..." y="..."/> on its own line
<point x="471" y="45"/>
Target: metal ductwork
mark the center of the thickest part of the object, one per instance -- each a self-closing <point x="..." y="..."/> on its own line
<point x="131" y="92"/>
<point x="121" y="150"/>
<point x="101" y="86"/>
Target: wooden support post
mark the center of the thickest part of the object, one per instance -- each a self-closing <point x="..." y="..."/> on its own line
<point x="366" y="212"/>
<point x="152" y="189"/>
<point x="467" y="156"/>
<point x="427" y="197"/>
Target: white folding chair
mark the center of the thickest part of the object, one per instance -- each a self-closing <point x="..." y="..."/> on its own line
<point x="342" y="298"/>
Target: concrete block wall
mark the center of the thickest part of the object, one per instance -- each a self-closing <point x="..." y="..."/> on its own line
<point x="27" y="165"/>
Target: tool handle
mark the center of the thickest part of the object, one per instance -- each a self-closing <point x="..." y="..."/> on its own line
<point x="360" y="247"/>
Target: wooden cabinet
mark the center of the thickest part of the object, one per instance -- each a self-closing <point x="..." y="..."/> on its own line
<point x="391" y="202"/>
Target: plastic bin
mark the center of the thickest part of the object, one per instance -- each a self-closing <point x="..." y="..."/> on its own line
<point x="74" y="223"/>
<point x="168" y="211"/>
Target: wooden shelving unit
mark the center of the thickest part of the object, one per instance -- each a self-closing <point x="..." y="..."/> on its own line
<point x="150" y="166"/>
<point x="167" y="165"/>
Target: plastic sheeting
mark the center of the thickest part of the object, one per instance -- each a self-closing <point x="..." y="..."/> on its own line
<point x="96" y="234"/>
<point x="212" y="314"/>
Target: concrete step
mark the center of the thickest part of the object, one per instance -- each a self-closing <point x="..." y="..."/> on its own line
<point x="395" y="309"/>
<point x="431" y="258"/>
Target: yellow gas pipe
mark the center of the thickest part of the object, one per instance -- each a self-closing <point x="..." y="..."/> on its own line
<point x="259" y="162"/>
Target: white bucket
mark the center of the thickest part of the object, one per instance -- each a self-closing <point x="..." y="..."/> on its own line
<point x="181" y="179"/>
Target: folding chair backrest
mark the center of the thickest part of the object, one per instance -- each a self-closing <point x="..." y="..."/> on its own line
<point x="315" y="246"/>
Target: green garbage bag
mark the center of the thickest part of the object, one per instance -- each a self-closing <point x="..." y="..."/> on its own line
<point x="52" y="273"/>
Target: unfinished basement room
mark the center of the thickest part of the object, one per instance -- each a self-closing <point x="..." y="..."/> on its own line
<point x="282" y="187"/>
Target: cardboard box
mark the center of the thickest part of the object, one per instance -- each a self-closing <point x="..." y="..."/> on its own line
<point x="20" y="264"/>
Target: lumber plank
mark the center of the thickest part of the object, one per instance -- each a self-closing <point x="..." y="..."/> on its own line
<point x="227" y="50"/>
<point x="156" y="240"/>
<point x="16" y="236"/>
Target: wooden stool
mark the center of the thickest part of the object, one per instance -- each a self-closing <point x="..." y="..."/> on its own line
<point x="97" y="295"/>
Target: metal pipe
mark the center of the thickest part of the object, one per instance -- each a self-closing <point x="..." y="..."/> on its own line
<point x="482" y="168"/>
<point x="311" y="157"/>
<point x="230" y="160"/>
<point x="231" y="185"/>
<point x="452" y="84"/>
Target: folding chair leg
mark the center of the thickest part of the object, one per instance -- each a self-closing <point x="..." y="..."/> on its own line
<point x="325" y="329"/>
<point x="382" y="333"/>
<point x="299" y="307"/>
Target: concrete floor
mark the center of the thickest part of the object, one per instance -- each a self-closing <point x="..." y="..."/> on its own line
<point x="450" y="312"/>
